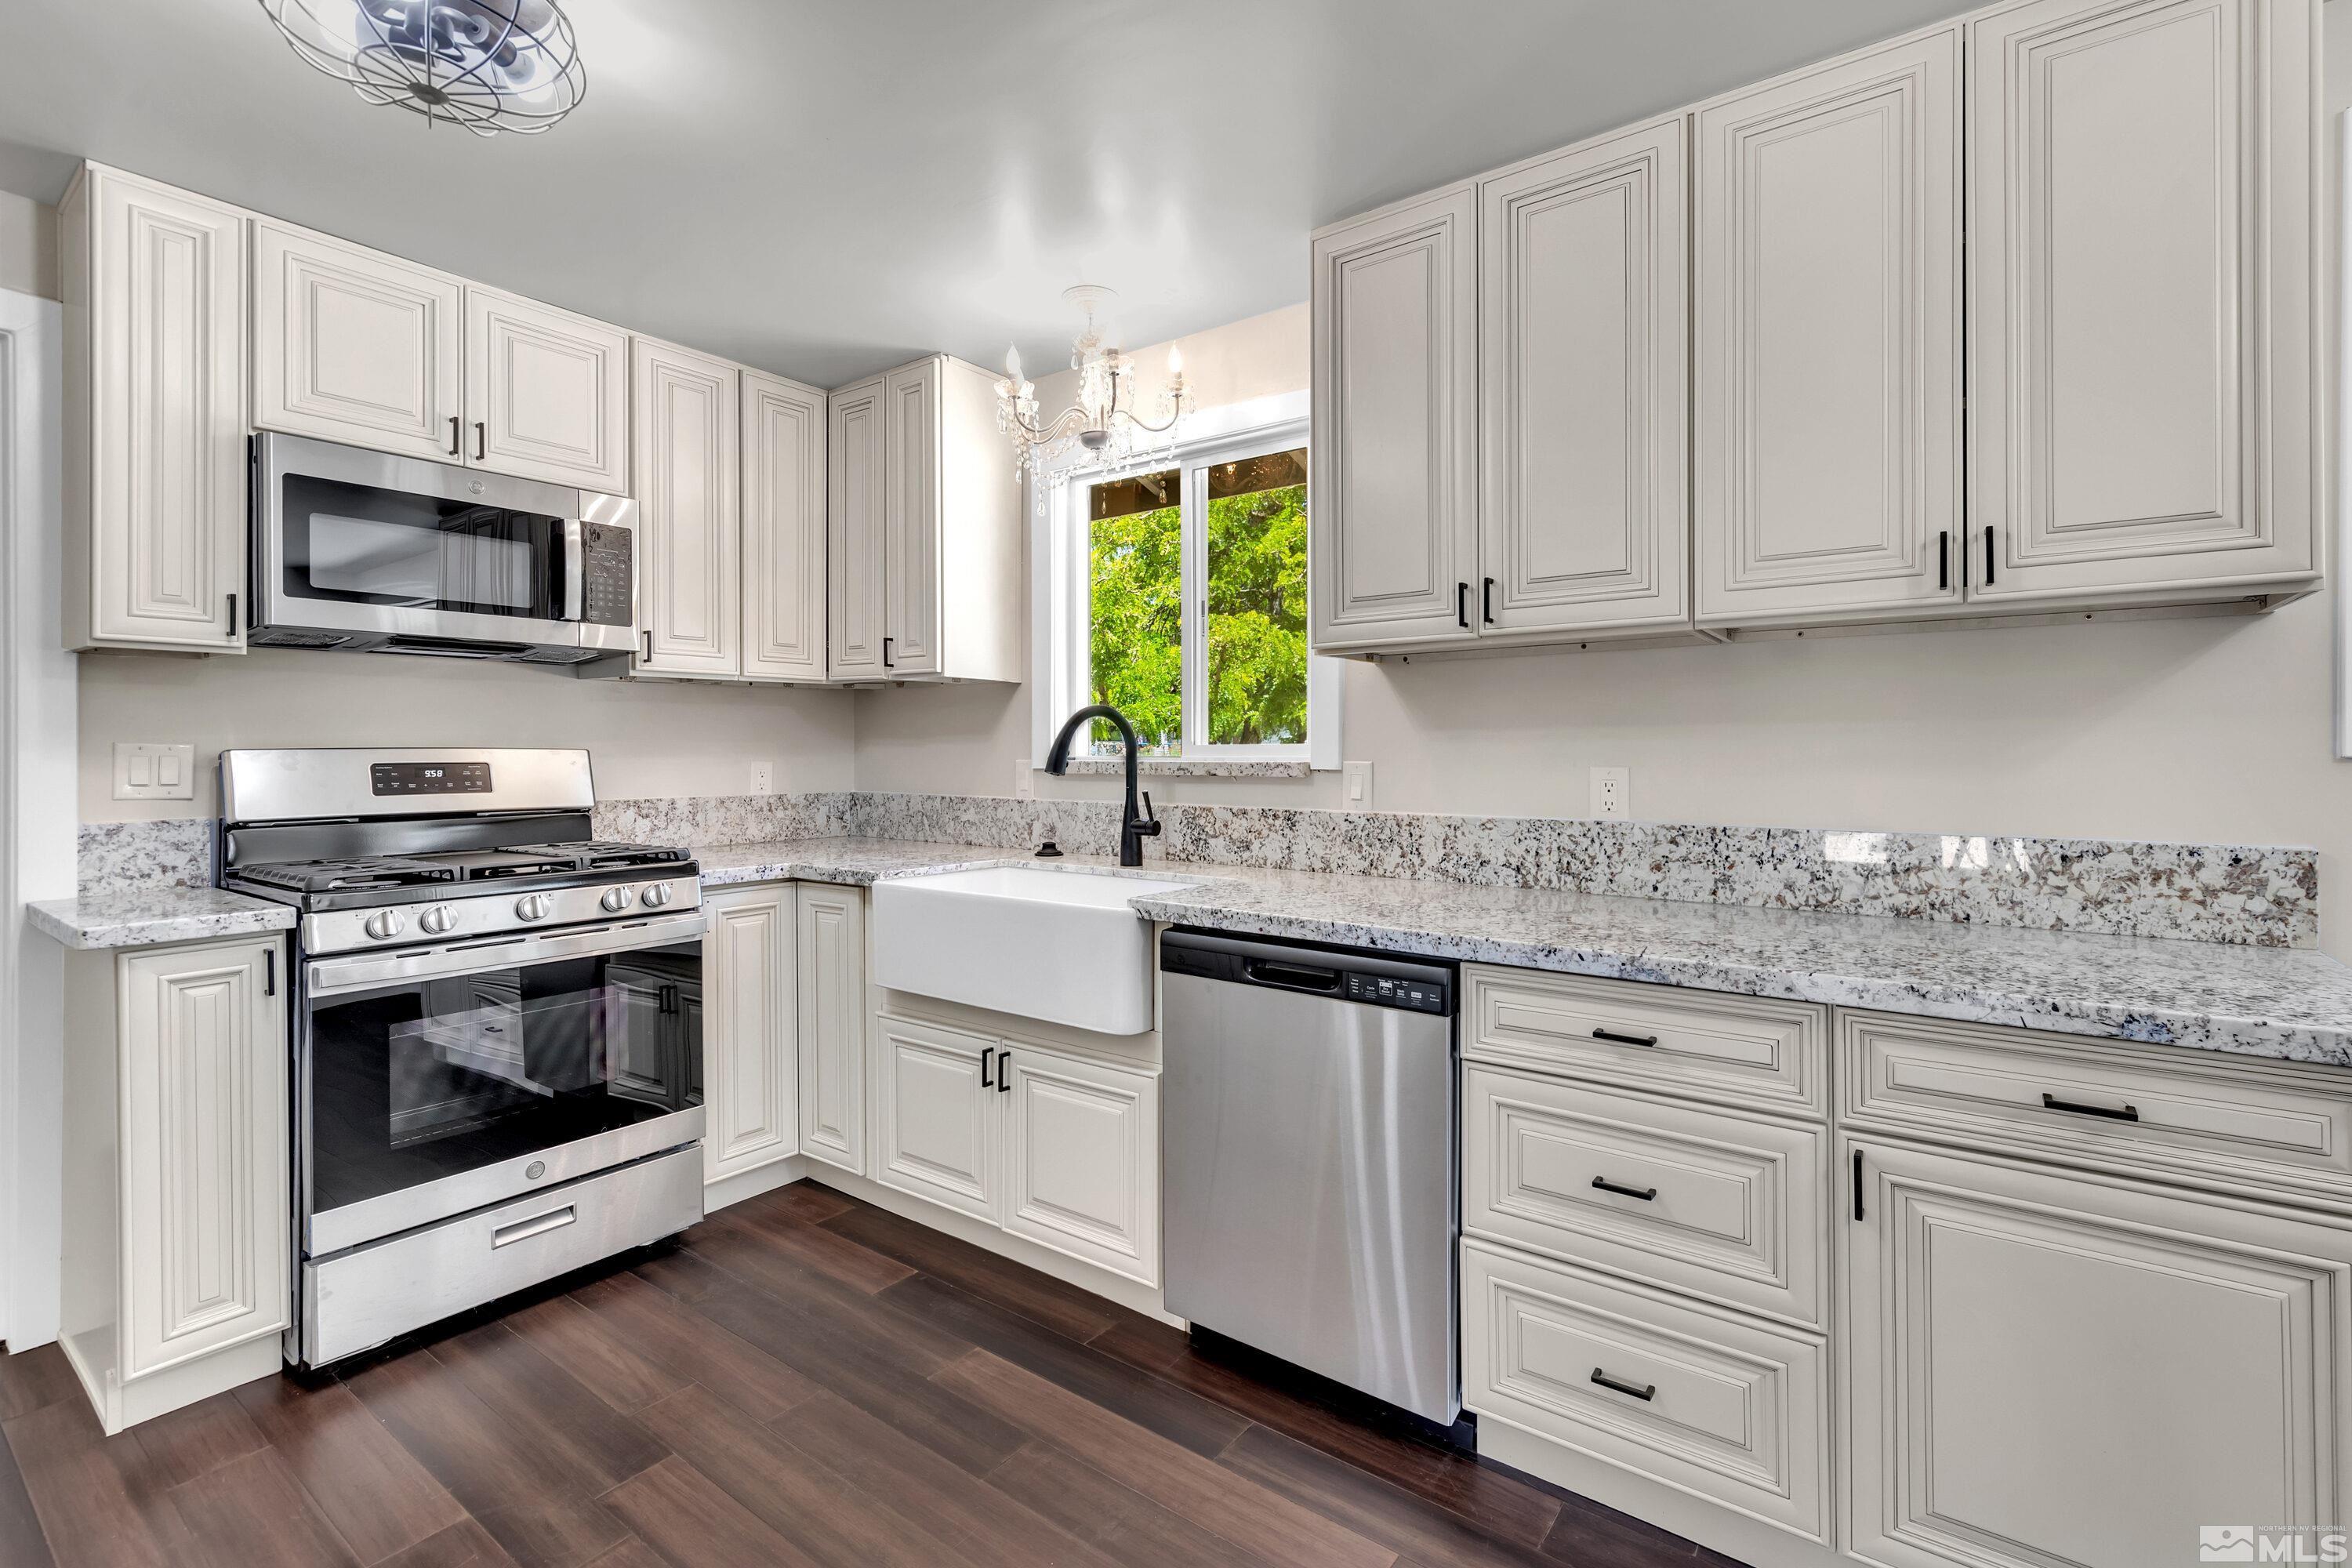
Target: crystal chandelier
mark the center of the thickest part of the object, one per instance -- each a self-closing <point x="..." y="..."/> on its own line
<point x="487" y="65"/>
<point x="1103" y="421"/>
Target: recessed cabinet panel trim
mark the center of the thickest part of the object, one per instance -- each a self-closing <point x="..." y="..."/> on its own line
<point x="1395" y="454"/>
<point x="752" y="1070"/>
<point x="547" y="393"/>
<point x="1082" y="1166"/>
<point x="1828" y="341"/>
<point x="912" y="502"/>
<point x="783" y="530"/>
<point x="2145" y="303"/>
<point x="154" y="286"/>
<point x="855" y="571"/>
<point x="689" y="534"/>
<point x="831" y="975"/>
<point x="352" y="345"/>
<point x="936" y="1122"/>
<point x="1584" y="309"/>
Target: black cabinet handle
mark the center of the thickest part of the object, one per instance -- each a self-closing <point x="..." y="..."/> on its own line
<point x="482" y="440"/>
<point x="1462" y="604"/>
<point x="1616" y="1038"/>
<point x="886" y="651"/>
<point x="1486" y="601"/>
<point x="232" y="614"/>
<point x="648" y="634"/>
<point x="1647" y="1391"/>
<point x="1003" y="1070"/>
<point x="269" y="972"/>
<point x="1988" y="555"/>
<point x="985" y="1052"/>
<point x="1943" y="559"/>
<point x="2075" y="1108"/>
<point x="1857" y="1184"/>
<point x="454" y="439"/>
<point x="1645" y="1194"/>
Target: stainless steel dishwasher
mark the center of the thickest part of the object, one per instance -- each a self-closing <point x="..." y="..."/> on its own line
<point x="1309" y="1203"/>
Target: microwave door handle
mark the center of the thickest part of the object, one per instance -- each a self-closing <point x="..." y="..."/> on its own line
<point x="576" y="571"/>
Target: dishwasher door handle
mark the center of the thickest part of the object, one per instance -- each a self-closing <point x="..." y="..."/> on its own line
<point x="1291" y="976"/>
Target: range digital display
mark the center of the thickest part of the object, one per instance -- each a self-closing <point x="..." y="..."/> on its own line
<point x="430" y="778"/>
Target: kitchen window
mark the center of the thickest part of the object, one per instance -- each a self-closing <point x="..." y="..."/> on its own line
<point x="1177" y="592"/>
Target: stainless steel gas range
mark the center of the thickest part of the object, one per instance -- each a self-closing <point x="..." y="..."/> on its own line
<point x="497" y="1026"/>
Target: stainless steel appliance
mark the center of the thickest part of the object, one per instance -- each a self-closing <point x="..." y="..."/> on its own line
<point x="1309" y="1206"/>
<point x="496" y="1039"/>
<point x="366" y="553"/>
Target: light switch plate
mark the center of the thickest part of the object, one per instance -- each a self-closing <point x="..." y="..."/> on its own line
<point x="1357" y="793"/>
<point x="145" y="770"/>
<point x="1613" y="792"/>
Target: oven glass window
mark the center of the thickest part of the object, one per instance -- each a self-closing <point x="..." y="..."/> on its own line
<point x="432" y="1078"/>
<point x="359" y="545"/>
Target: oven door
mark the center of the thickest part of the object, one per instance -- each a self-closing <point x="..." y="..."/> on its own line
<point x="440" y="1081"/>
<point x="385" y="547"/>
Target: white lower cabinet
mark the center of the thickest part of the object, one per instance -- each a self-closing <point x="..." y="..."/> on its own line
<point x="2048" y="1368"/>
<point x="936" y="1114"/>
<point x="830" y="970"/>
<point x="750" y="1068"/>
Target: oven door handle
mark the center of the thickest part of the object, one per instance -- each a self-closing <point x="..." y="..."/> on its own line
<point x="576" y="571"/>
<point x="340" y="976"/>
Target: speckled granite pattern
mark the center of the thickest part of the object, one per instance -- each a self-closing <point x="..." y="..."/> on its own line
<point x="147" y="917"/>
<point x="111" y="855"/>
<point x="696" y="821"/>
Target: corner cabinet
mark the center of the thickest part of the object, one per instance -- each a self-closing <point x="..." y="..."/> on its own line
<point x="155" y="288"/>
<point x="923" y="496"/>
<point x="783" y="530"/>
<point x="750" y="1016"/>
<point x="830" y="970"/>
<point x="689" y="535"/>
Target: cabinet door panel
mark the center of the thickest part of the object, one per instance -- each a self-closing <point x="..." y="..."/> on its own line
<point x="936" y="1122"/>
<point x="783" y="530"/>
<point x="1829" y="340"/>
<point x="689" y="539"/>
<point x="164" y="363"/>
<point x="2141" y="306"/>
<point x="1395" y="443"/>
<point x="831" y="975"/>
<point x="855" y="571"/>
<point x="352" y="345"/>
<point x="203" y="1153"/>
<point x="547" y="393"/>
<point x="1083" y="1160"/>
<point x="1582" y="510"/>
<point x="2178" y="1362"/>
<point x="751" y="1074"/>
<point x="911" y="570"/>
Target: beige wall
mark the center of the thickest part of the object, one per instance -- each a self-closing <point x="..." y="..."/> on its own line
<point x="28" y="247"/>
<point x="648" y="737"/>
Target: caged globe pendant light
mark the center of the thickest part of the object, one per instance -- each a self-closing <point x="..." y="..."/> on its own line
<point x="487" y="65"/>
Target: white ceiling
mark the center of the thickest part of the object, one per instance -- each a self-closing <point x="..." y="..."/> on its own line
<point x="824" y="187"/>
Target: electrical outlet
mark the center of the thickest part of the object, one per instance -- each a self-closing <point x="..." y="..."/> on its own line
<point x="1025" y="782"/>
<point x="1613" y="792"/>
<point x="145" y="771"/>
<point x="764" y="778"/>
<point x="1359" y="792"/>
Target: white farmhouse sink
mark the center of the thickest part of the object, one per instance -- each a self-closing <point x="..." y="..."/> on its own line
<point x="1060" y="945"/>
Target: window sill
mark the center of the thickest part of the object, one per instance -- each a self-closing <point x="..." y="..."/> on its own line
<point x="1191" y="768"/>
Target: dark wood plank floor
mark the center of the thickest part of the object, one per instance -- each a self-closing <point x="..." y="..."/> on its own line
<point x="804" y="1381"/>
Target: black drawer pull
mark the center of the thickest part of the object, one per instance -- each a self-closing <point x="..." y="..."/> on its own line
<point x="985" y="1052"/>
<point x="1613" y="1036"/>
<point x="1645" y="1194"/>
<point x="1646" y="1392"/>
<point x="1462" y="604"/>
<point x="2052" y="1103"/>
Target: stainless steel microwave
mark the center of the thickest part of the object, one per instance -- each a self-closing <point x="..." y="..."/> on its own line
<point x="366" y="553"/>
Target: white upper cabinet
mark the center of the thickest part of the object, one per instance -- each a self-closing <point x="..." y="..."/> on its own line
<point x="352" y="345"/>
<point x="1583" y="307"/>
<point x="154" y="286"/>
<point x="910" y="534"/>
<point x="547" y="393"/>
<point x="2144" y="303"/>
<point x="855" y="484"/>
<point x="1828" y="341"/>
<point x="689" y="537"/>
<point x="1395" y="451"/>
<point x="783" y="530"/>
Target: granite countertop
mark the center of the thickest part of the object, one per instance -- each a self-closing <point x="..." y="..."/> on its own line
<point x="2254" y="1001"/>
<point x="149" y="916"/>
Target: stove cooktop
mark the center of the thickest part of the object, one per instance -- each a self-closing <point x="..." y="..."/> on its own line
<point x="454" y="868"/>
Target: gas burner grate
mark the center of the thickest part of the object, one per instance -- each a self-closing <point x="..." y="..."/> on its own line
<point x="341" y="875"/>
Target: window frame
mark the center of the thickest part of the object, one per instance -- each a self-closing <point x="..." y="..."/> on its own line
<point x="1061" y="580"/>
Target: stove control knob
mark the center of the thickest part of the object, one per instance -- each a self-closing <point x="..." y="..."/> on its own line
<point x="384" y="924"/>
<point x="533" y="906"/>
<point x="616" y="900"/>
<point x="437" y="919"/>
<point x="656" y="894"/>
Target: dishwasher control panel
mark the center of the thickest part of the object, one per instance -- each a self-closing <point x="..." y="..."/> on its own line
<point x="1387" y="991"/>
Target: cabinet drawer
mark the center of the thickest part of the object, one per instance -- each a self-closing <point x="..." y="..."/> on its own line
<point x="2270" y="1127"/>
<point x="1735" y="1210"/>
<point x="1708" y="1402"/>
<point x="1737" y="1050"/>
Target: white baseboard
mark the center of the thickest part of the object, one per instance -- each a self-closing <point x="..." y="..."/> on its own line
<point x="767" y="1178"/>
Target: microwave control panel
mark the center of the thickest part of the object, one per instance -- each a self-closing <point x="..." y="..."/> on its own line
<point x="607" y="572"/>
